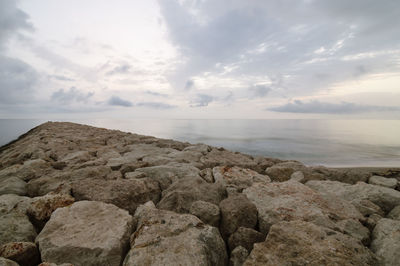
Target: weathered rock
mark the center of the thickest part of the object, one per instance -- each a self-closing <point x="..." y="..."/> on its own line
<point x="383" y="181"/>
<point x="207" y="212"/>
<point x="237" y="211"/>
<point x="355" y="229"/>
<point x="13" y="203"/>
<point x="86" y="233"/>
<point x="297" y="176"/>
<point x="13" y="185"/>
<point x="134" y="175"/>
<point x="25" y="253"/>
<point x="238" y="177"/>
<point x="167" y="238"/>
<point x="41" y="208"/>
<point x="16" y="227"/>
<point x="349" y="176"/>
<point x="395" y="213"/>
<point x="386" y="241"/>
<point x="180" y="196"/>
<point x="291" y="200"/>
<point x="304" y="243"/>
<point x="77" y="157"/>
<point x="238" y="256"/>
<point x="245" y="237"/>
<point x="220" y="157"/>
<point x="7" y="262"/>
<point x="131" y="167"/>
<point x="124" y="193"/>
<point x="372" y="220"/>
<point x="385" y="198"/>
<point x="54" y="264"/>
<point x="207" y="175"/>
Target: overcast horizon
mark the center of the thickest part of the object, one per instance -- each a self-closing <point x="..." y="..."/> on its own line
<point x="200" y="59"/>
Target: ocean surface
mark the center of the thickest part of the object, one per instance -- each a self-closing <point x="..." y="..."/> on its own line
<point x="336" y="143"/>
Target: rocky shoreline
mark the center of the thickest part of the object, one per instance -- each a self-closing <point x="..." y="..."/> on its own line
<point x="73" y="194"/>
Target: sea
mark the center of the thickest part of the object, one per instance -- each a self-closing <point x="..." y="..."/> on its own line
<point x="333" y="143"/>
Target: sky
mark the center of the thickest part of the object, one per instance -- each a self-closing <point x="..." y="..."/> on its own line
<point x="200" y="59"/>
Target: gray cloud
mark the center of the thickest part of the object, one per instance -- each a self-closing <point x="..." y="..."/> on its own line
<point x="259" y="91"/>
<point x="153" y="93"/>
<point x="71" y="95"/>
<point x="201" y="100"/>
<point x="189" y="85"/>
<point x="122" y="69"/>
<point x="117" y="101"/>
<point x="317" y="107"/>
<point x="155" y="105"/>
<point x="61" y="78"/>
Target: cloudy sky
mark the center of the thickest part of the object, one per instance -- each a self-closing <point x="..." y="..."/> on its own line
<point x="200" y="59"/>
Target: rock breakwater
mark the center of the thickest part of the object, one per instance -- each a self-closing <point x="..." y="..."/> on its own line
<point x="73" y="194"/>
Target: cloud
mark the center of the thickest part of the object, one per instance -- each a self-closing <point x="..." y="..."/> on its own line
<point x="61" y="78"/>
<point x="201" y="100"/>
<point x="71" y="95"/>
<point x="189" y="85"/>
<point x="259" y="91"/>
<point x="117" y="101"/>
<point x="122" y="69"/>
<point x="317" y="107"/>
<point x="153" y="93"/>
<point x="17" y="81"/>
<point x="155" y="105"/>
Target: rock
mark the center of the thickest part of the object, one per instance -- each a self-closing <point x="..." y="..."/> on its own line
<point x="135" y="175"/>
<point x="238" y="177"/>
<point x="355" y="229"/>
<point x="291" y="200"/>
<point x="77" y="157"/>
<point x="16" y="227"/>
<point x="13" y="185"/>
<point x="350" y="176"/>
<point x="385" y="198"/>
<point x="41" y="208"/>
<point x="395" y="213"/>
<point x="237" y="211"/>
<point x="238" y="256"/>
<point x="13" y="203"/>
<point x="304" y="243"/>
<point x="383" y="181"/>
<point x="54" y="264"/>
<point x="297" y="176"/>
<point x="25" y="253"/>
<point x="386" y="241"/>
<point x="207" y="175"/>
<point x="207" y="212"/>
<point x="167" y="238"/>
<point x="279" y="173"/>
<point x="131" y="167"/>
<point x="86" y="233"/>
<point x="245" y="237"/>
<point x="124" y="193"/>
<point x="32" y="169"/>
<point x="7" y="262"/>
<point x="218" y="157"/>
<point x="180" y="196"/>
<point x="372" y="221"/>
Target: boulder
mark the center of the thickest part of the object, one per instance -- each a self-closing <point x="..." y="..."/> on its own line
<point x="237" y="177"/>
<point x="86" y="233"/>
<point x="13" y="185"/>
<point x="180" y="196"/>
<point x="167" y="238"/>
<point x="207" y="175"/>
<point x="395" y="213"/>
<point x="345" y="175"/>
<point x="222" y="157"/>
<point x="385" y="198"/>
<point x="124" y="193"/>
<point x="207" y="212"/>
<point x="383" y="181"/>
<point x="386" y="241"/>
<point x="297" y="176"/>
<point x="238" y="256"/>
<point x="304" y="243"/>
<point x="16" y="227"/>
<point x="25" y="253"/>
<point x="283" y="171"/>
<point x="355" y="229"/>
<point x="237" y="211"/>
<point x="7" y="262"/>
<point x="13" y="203"/>
<point x="291" y="200"/>
<point x="245" y="237"/>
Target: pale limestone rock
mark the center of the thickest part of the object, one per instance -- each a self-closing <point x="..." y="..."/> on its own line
<point x="297" y="176"/>
<point x="25" y="253"/>
<point x="245" y="237"/>
<point x="237" y="177"/>
<point x="135" y="175"/>
<point x="86" y="233"/>
<point x="16" y="227"/>
<point x="207" y="212"/>
<point x="12" y="202"/>
<point x="220" y="157"/>
<point x="383" y="181"/>
<point x="7" y="262"/>
<point x="386" y="241"/>
<point x="355" y="229"/>
<point x="395" y="213"/>
<point x="207" y="175"/>
<point x="13" y="185"/>
<point x="238" y="256"/>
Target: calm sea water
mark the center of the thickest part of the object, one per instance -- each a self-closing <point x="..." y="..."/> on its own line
<point x="314" y="142"/>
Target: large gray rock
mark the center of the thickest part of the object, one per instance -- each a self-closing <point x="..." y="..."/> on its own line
<point x="180" y="196"/>
<point x="386" y="241"/>
<point x="222" y="157"/>
<point x="16" y="227"/>
<point x="304" y="243"/>
<point x="283" y="171"/>
<point x="7" y="262"/>
<point x="25" y="253"/>
<point x="12" y="202"/>
<point x="237" y="177"/>
<point x="167" y="238"/>
<point x="207" y="212"/>
<point x="385" y="198"/>
<point x="124" y="193"/>
<point x="395" y="213"/>
<point x="238" y="256"/>
<point x="86" y="233"/>
<point x="383" y="181"/>
<point x="245" y="237"/>
<point x="13" y="185"/>
<point x="291" y="200"/>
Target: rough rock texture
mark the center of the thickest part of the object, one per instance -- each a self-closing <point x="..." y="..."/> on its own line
<point x="13" y="185"/>
<point x="291" y="200"/>
<point x="395" y="213"/>
<point x="16" y="227"/>
<point x="25" y="253"/>
<point x="237" y="177"/>
<point x="7" y="262"/>
<point x="386" y="241"/>
<point x="245" y="237"/>
<point x="11" y="202"/>
<point x="385" y="198"/>
<point x="86" y="233"/>
<point x="304" y="243"/>
<point x="166" y="238"/>
<point x="283" y="171"/>
<point x="238" y="256"/>
<point x="207" y="212"/>
<point x="383" y="181"/>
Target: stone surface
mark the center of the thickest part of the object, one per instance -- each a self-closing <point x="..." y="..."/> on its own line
<point x="385" y="198"/>
<point x="238" y="256"/>
<point x="395" y="213"/>
<point x="304" y="243"/>
<point x="383" y="181"/>
<point x="297" y="176"/>
<point x="237" y="177"/>
<point x="237" y="211"/>
<point x="291" y="200"/>
<point x="180" y="196"/>
<point x="86" y="233"/>
<point x="355" y="229"/>
<point x="207" y="175"/>
<point x="245" y="237"/>
<point x="207" y="212"/>
<point x="124" y="193"/>
<point x="15" y="203"/>
<point x="25" y="253"/>
<point x="16" y="227"/>
<point x="222" y="157"/>
<point x="7" y="262"/>
<point x="13" y="185"/>
<point x="283" y="171"/>
<point x="167" y="238"/>
<point x="386" y="241"/>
